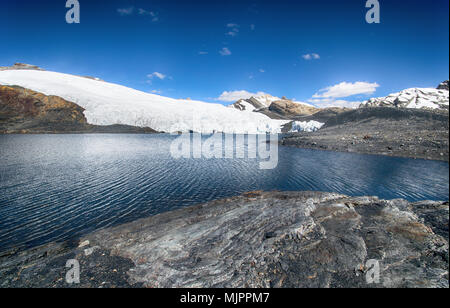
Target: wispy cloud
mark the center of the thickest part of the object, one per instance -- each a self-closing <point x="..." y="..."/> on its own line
<point x="202" y="52"/>
<point x="346" y="89"/>
<point x="225" y="51"/>
<point x="142" y="12"/>
<point x="330" y="102"/>
<point x="233" y="29"/>
<point x="152" y="14"/>
<point x="233" y="96"/>
<point x="157" y="75"/>
<point x="252" y="27"/>
<point x="311" y="56"/>
<point x="126" y="11"/>
<point x="262" y="70"/>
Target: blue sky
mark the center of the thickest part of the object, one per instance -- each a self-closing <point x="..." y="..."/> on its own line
<point x="321" y="51"/>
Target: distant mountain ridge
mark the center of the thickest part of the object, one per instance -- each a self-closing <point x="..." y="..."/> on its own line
<point x="280" y="107"/>
<point x="418" y="98"/>
<point x="21" y="66"/>
<point x="30" y="97"/>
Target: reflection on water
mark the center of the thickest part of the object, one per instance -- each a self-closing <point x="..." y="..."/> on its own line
<point x="54" y="187"/>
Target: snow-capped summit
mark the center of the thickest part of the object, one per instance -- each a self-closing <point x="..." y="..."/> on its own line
<point x="108" y="104"/>
<point x="264" y="100"/>
<point x="254" y="103"/>
<point x="261" y="102"/>
<point x="419" y="98"/>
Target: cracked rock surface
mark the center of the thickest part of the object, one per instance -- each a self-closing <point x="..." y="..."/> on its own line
<point x="259" y="239"/>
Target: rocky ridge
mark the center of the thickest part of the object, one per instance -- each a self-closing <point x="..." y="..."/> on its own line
<point x="444" y="85"/>
<point x="21" y="66"/>
<point x="419" y="98"/>
<point x="401" y="132"/>
<point x="290" y="109"/>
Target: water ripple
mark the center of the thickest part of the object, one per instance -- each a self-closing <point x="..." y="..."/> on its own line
<point x="55" y="187"/>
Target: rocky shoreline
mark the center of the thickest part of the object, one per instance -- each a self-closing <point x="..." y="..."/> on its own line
<point x="411" y="133"/>
<point x="259" y="239"/>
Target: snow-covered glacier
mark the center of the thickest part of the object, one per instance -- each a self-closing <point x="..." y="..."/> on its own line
<point x="310" y="126"/>
<point x="107" y="104"/>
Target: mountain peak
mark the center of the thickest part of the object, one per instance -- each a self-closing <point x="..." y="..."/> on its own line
<point x="443" y="85"/>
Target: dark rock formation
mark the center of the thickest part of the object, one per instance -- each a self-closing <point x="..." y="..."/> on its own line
<point x="27" y="111"/>
<point x="402" y="132"/>
<point x="277" y="239"/>
<point x="444" y="85"/>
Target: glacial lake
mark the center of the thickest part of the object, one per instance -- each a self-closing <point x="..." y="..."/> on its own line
<point x="56" y="187"/>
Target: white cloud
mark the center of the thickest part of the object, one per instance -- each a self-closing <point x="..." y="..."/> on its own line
<point x="202" y="52"/>
<point x="330" y="102"/>
<point x="311" y="56"/>
<point x="234" y="29"/>
<point x="149" y="13"/>
<point x="262" y="70"/>
<point x="157" y="75"/>
<point x="233" y="96"/>
<point x="130" y="11"/>
<point x="126" y="11"/>
<point x="252" y="27"/>
<point x="346" y="89"/>
<point x="225" y="51"/>
<point x="156" y="91"/>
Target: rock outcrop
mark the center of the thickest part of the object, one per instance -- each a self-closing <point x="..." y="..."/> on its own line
<point x="23" y="110"/>
<point x="288" y="108"/>
<point x="444" y="85"/>
<point x="275" y="108"/>
<point x="26" y="111"/>
<point x="420" y="98"/>
<point x="273" y="239"/>
<point x="21" y="66"/>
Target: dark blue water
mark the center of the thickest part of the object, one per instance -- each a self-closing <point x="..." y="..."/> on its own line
<point x="55" y="187"/>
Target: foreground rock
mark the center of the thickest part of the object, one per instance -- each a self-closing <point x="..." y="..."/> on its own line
<point x="277" y="239"/>
<point x="401" y="132"/>
<point x="26" y="111"/>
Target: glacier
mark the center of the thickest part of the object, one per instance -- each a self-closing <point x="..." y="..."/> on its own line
<point x="107" y="104"/>
<point x="310" y="126"/>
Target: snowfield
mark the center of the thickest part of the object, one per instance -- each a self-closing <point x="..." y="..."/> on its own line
<point x="107" y="104"/>
<point x="413" y="98"/>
